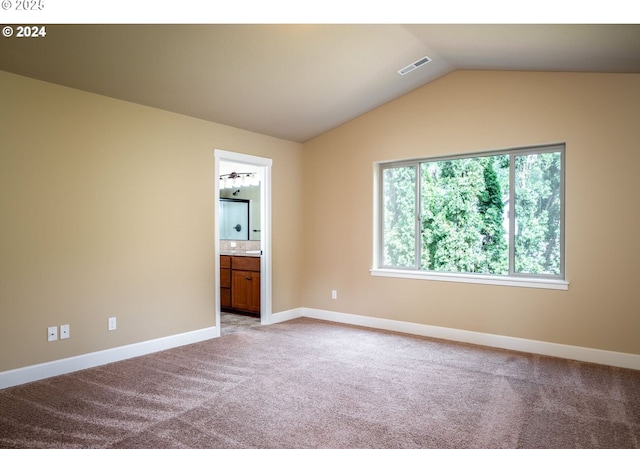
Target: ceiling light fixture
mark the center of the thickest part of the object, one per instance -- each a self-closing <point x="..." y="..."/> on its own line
<point x="235" y="180"/>
<point x="411" y="67"/>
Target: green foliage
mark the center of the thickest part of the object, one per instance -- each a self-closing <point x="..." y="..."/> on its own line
<point x="462" y="223"/>
<point x="537" y="212"/>
<point x="463" y="215"/>
<point x="398" y="213"/>
<point x="491" y="208"/>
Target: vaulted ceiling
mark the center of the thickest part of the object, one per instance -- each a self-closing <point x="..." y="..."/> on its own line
<point x="297" y="81"/>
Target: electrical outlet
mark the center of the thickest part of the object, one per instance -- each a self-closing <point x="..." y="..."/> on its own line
<point x="334" y="294"/>
<point x="52" y="333"/>
<point x="112" y="323"/>
<point x="64" y="331"/>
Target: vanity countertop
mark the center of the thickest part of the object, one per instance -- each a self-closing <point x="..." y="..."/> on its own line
<point x="241" y="252"/>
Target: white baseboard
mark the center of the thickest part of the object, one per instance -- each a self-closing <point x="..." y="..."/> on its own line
<point x="68" y="365"/>
<point x="611" y="358"/>
<point x="286" y="315"/>
<point x="63" y="366"/>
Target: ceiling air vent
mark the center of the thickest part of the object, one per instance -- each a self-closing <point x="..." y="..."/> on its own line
<point x="415" y="65"/>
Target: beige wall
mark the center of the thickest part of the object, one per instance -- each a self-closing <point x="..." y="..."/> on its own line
<point x="597" y="115"/>
<point x="107" y="210"/>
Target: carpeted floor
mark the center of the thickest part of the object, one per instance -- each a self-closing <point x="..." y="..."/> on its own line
<point x="312" y="384"/>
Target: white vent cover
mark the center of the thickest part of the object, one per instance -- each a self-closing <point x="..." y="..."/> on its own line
<point x="415" y="65"/>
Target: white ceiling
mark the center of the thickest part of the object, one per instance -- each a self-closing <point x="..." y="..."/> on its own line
<point x="297" y="81"/>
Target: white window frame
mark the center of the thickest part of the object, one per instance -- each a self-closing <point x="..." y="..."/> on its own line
<point x="515" y="280"/>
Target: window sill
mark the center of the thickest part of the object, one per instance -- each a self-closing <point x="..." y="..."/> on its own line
<point x="554" y="284"/>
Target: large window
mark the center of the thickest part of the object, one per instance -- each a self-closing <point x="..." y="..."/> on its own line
<point x="497" y="214"/>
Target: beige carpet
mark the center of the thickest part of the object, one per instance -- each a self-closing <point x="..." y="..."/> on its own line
<point x="312" y="384"/>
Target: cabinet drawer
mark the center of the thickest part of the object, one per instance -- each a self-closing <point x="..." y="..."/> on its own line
<point x="225" y="278"/>
<point x="245" y="263"/>
<point x="225" y="297"/>
<point x="225" y="261"/>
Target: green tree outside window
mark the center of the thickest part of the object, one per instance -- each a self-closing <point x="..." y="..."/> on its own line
<point x="460" y="210"/>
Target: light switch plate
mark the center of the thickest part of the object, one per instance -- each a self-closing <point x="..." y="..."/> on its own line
<point x="64" y="331"/>
<point x="112" y="323"/>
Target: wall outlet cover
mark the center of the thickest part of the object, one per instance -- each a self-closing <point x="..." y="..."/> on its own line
<point x="52" y="333"/>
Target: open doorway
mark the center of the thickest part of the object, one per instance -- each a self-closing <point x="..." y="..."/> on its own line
<point x="242" y="204"/>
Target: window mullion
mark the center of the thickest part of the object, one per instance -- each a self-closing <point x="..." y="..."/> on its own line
<point x="512" y="213"/>
<point x="418" y="225"/>
<point x="380" y="205"/>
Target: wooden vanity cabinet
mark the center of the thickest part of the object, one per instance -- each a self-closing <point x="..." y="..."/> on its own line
<point x="243" y="291"/>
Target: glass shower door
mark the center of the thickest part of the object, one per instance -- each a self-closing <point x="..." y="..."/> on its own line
<point x="234" y="219"/>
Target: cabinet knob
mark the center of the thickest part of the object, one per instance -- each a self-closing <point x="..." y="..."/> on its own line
<point x="248" y="279"/>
